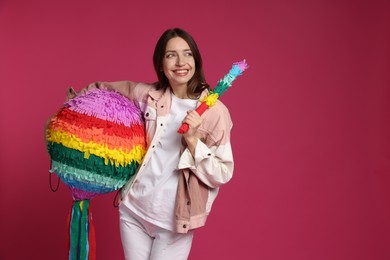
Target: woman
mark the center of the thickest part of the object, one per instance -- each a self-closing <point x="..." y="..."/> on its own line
<point x="179" y="178"/>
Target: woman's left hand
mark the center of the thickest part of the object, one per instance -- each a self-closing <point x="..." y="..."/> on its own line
<point x="194" y="120"/>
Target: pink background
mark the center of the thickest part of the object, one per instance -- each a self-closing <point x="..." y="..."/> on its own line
<point x="312" y="120"/>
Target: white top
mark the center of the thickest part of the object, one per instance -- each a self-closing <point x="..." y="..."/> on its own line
<point x="152" y="196"/>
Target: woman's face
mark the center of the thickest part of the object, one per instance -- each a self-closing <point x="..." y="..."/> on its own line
<point x="178" y="63"/>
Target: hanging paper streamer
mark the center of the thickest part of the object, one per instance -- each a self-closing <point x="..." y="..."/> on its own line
<point x="96" y="142"/>
<point x="81" y="239"/>
<point x="237" y="69"/>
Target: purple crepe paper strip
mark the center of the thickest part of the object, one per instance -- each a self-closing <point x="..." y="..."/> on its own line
<point x="111" y="106"/>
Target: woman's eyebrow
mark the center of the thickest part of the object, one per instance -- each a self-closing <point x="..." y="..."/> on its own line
<point x="176" y="50"/>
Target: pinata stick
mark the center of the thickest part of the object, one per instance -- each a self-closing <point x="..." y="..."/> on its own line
<point x="200" y="109"/>
<point x="221" y="88"/>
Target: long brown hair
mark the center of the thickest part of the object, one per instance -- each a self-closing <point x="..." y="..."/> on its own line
<point x="197" y="83"/>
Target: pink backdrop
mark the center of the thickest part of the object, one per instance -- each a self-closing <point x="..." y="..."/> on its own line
<point x="312" y="120"/>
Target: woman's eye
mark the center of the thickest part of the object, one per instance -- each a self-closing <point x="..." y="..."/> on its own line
<point x="188" y="53"/>
<point x="170" y="55"/>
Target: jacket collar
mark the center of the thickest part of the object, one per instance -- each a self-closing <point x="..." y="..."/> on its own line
<point x="156" y="94"/>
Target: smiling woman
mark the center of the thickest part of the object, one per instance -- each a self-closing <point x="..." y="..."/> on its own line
<point x="178" y="180"/>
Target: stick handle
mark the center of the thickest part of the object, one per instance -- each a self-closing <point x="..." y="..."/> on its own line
<point x="184" y="127"/>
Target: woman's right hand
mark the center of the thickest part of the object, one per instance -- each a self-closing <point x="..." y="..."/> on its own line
<point x="71" y="93"/>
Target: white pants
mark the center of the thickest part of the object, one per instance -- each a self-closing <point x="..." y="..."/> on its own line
<point x="142" y="240"/>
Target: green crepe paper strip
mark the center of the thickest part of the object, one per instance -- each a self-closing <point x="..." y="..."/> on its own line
<point x="74" y="229"/>
<point x="94" y="163"/>
<point x="71" y="173"/>
<point x="78" y="230"/>
<point x="84" y="231"/>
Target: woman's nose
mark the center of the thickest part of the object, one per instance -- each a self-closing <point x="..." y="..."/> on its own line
<point x="179" y="60"/>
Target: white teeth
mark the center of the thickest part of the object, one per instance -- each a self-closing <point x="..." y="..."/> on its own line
<point x="180" y="72"/>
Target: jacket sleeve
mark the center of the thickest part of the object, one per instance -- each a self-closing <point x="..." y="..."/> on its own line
<point x="213" y="161"/>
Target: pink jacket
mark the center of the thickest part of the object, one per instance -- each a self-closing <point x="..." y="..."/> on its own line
<point x="204" y="173"/>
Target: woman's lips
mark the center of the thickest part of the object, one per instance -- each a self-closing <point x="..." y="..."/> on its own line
<point x="181" y="72"/>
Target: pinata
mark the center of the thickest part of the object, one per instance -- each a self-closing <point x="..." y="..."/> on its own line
<point x="223" y="84"/>
<point x="96" y="142"/>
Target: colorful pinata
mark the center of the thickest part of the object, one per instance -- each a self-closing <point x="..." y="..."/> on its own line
<point x="96" y="142"/>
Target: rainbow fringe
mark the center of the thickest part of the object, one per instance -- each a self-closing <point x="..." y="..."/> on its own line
<point x="96" y="142"/>
<point x="223" y="84"/>
<point x="213" y="95"/>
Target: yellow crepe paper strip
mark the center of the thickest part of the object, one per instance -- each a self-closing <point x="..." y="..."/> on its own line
<point x="210" y="99"/>
<point x="116" y="157"/>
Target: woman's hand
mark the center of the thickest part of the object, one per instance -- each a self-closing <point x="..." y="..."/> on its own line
<point x="194" y="120"/>
<point x="72" y="94"/>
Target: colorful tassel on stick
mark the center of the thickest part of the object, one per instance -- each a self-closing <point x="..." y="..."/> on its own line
<point x="237" y="69"/>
